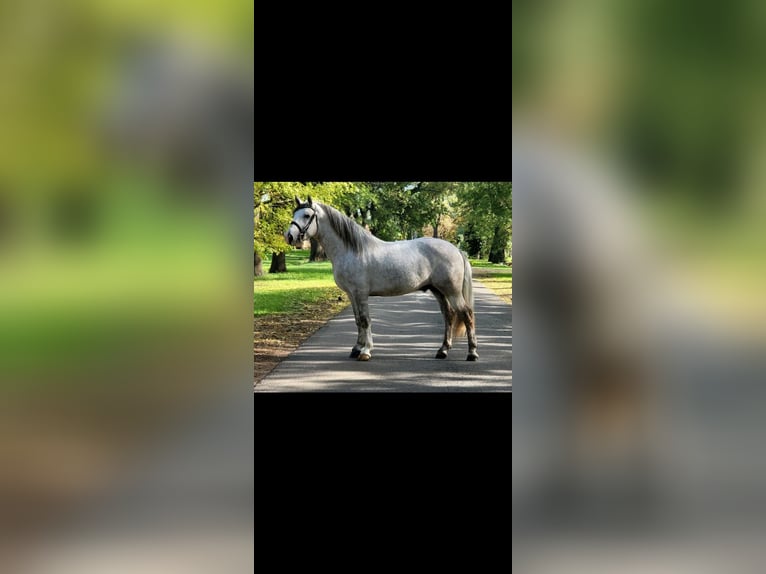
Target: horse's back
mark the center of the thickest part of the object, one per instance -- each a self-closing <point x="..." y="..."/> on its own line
<point x="400" y="267"/>
<point x="439" y="251"/>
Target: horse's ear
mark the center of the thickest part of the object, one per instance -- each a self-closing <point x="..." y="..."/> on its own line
<point x="311" y="203"/>
<point x="297" y="201"/>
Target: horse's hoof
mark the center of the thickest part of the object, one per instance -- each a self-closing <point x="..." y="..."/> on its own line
<point x="363" y="357"/>
<point x="441" y="354"/>
<point x="472" y="358"/>
<point x="355" y="353"/>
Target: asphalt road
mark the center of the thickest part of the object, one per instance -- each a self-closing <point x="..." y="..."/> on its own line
<point x="407" y="331"/>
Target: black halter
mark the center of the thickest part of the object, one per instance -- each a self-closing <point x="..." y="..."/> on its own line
<point x="302" y="230"/>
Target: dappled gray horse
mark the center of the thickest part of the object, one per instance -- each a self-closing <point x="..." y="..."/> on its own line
<point x="364" y="265"/>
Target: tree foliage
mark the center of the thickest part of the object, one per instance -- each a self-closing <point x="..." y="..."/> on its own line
<point x="400" y="209"/>
<point x="486" y="210"/>
<point x="273" y="201"/>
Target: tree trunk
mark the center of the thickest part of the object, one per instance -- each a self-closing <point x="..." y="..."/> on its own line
<point x="436" y="226"/>
<point x="317" y="251"/>
<point x="499" y="243"/>
<point x="278" y="263"/>
<point x="257" y="265"/>
<point x="472" y="243"/>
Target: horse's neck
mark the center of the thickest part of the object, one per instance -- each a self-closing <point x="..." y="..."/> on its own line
<point x="328" y="238"/>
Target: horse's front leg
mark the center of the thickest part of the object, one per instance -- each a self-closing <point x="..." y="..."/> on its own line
<point x="365" y="330"/>
<point x="356" y="349"/>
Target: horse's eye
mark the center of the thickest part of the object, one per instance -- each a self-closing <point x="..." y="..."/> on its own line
<point x="305" y="216"/>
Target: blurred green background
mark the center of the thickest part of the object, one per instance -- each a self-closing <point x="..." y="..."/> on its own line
<point x="115" y="235"/>
<point x="671" y="96"/>
<point x="126" y="163"/>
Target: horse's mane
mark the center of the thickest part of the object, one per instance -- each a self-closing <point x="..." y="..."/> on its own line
<point x="353" y="235"/>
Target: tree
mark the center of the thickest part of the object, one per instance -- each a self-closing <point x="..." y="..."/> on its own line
<point x="500" y="237"/>
<point x="472" y="241"/>
<point x="278" y="262"/>
<point x="400" y="209"/>
<point x="317" y="252"/>
<point x="437" y="199"/>
<point x="257" y="264"/>
<point x="486" y="210"/>
<point x="388" y="209"/>
<point x="271" y="216"/>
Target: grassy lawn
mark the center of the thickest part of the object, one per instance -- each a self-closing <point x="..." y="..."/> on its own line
<point x="494" y="276"/>
<point x="484" y="264"/>
<point x="304" y="285"/>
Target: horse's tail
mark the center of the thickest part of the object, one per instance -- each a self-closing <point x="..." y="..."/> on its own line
<point x="467" y="282"/>
<point x="458" y="329"/>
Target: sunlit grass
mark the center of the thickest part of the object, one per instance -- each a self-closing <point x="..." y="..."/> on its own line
<point x="304" y="284"/>
<point x="495" y="276"/>
<point x="501" y="284"/>
<point x="484" y="264"/>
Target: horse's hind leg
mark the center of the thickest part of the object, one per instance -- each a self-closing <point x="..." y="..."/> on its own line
<point x="467" y="317"/>
<point x="449" y="319"/>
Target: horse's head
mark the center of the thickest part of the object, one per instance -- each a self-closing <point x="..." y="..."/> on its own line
<point x="304" y="223"/>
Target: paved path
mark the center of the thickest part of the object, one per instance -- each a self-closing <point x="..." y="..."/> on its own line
<point x="407" y="331"/>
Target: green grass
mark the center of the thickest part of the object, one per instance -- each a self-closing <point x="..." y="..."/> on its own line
<point x="495" y="276"/>
<point x="304" y="284"/>
<point x="484" y="264"/>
